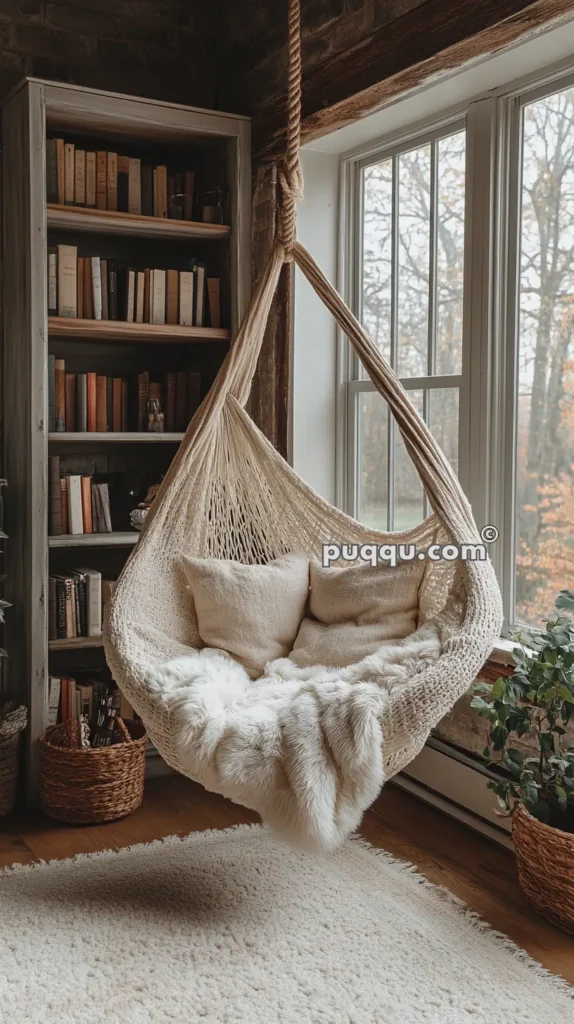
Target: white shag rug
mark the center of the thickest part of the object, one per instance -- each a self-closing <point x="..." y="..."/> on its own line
<point x="233" y="927"/>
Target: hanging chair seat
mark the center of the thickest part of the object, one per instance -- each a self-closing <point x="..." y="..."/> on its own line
<point x="308" y="754"/>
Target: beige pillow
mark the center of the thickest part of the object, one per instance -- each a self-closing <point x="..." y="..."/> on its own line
<point x="252" y="612"/>
<point x="355" y="611"/>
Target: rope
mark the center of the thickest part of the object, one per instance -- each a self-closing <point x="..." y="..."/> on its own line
<point x="289" y="174"/>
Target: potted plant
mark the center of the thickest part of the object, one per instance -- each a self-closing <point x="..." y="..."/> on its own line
<point x="13" y="717"/>
<point x="532" y="750"/>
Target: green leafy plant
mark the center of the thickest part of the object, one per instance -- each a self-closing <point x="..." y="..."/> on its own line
<point x="536" y="700"/>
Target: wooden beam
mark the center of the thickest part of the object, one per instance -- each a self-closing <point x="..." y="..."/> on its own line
<point x="426" y="41"/>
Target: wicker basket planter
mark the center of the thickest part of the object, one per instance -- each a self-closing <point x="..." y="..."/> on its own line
<point x="545" y="858"/>
<point x="13" y="720"/>
<point x="84" y="786"/>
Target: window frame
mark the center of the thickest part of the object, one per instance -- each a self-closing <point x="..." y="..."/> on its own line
<point x="490" y="343"/>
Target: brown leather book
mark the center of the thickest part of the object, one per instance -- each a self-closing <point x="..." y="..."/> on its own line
<point x="101" y="404"/>
<point x="124" y="423"/>
<point x="101" y="180"/>
<point x="172" y="297"/>
<point x="112" y="182"/>
<point x="91" y="401"/>
<point x="87" y="503"/>
<point x="180" y="400"/>
<point x="88" y="299"/>
<point x="161" y="191"/>
<point x="117" y="403"/>
<point x="80" y="287"/>
<point x="143" y="396"/>
<point x="60" y="394"/>
<point x="70" y="385"/>
<point x="170" y="401"/>
<point x="64" y="505"/>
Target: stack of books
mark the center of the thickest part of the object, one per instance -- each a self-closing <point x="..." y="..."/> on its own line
<point x="90" y="402"/>
<point x="77" y="504"/>
<point x="76" y="600"/>
<point x="93" y="288"/>
<point x="109" y="181"/>
<point x="91" y="699"/>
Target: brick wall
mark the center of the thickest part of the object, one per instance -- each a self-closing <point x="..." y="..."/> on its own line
<point x="165" y="49"/>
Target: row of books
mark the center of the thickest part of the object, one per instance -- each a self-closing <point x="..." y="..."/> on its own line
<point x="91" y="402"/>
<point x="95" y="702"/>
<point x="76" y="601"/>
<point x="109" y="181"/>
<point x="93" y="288"/>
<point x="76" y="504"/>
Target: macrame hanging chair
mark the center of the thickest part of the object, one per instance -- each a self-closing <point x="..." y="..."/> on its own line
<point x="229" y="495"/>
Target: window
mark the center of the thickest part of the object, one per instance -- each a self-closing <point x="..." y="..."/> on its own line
<point x="460" y="264"/>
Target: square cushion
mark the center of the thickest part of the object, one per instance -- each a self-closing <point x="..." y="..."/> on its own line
<point x="355" y="610"/>
<point x="252" y="612"/>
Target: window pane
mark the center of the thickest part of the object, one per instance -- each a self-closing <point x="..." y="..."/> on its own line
<point x="414" y="172"/>
<point x="377" y="254"/>
<point x="373" y="460"/>
<point x="545" y="430"/>
<point x="450" y="252"/>
<point x="443" y="421"/>
<point x="408" y="497"/>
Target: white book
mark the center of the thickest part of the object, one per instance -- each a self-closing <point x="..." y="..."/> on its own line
<point x="52" y="282"/>
<point x="140" y="292"/>
<point x="54" y="686"/>
<point x="186" y="298"/>
<point x="67" y="274"/>
<point x="157" y="297"/>
<point x="93" y="600"/>
<point x="75" y="515"/>
<point x="90" y="179"/>
<point x="96" y="287"/>
<point x="134" y="186"/>
<point x="130" y="296"/>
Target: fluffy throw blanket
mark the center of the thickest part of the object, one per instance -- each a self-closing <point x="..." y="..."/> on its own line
<point x="301" y="746"/>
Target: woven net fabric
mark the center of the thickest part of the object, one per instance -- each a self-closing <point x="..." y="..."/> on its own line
<point x="229" y="494"/>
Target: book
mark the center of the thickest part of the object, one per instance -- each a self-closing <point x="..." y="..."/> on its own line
<point x="54" y="686"/>
<point x="70" y="389"/>
<point x="110" y="403"/>
<point x="112" y="292"/>
<point x="64" y="505"/>
<point x="103" y="491"/>
<point x="91" y="402"/>
<point x="123" y="183"/>
<point x="90" y="179"/>
<point x="78" y="581"/>
<point x="67" y="291"/>
<point x="112" y="182"/>
<point x="93" y="600"/>
<point x="69" y="172"/>
<point x="86" y="489"/>
<point x="52" y="609"/>
<point x="101" y="404"/>
<point x="75" y="515"/>
<point x="147" y="282"/>
<point x="154" y="192"/>
<point x="134" y="186"/>
<point x="214" y="301"/>
<point x="170" y="401"/>
<point x="52" y="171"/>
<point x="143" y="398"/>
<point x="51" y="393"/>
<point x="157" y="296"/>
<point x="117" y="404"/>
<point x="188" y="185"/>
<point x="80" y="178"/>
<point x="140" y="297"/>
<point x="101" y="179"/>
<point x="59" y="395"/>
<point x="88" y="289"/>
<point x="80" y="287"/>
<point x="61" y="165"/>
<point x="96" y="287"/>
<point x="81" y="402"/>
<point x="161" y="173"/>
<point x="186" y="298"/>
<point x="171" y="297"/>
<point x="199" y="291"/>
<point x="54" y="496"/>
<point x="52" y="282"/>
<point x="147" y="190"/>
<point x="124" y="422"/>
<point x="104" y="286"/>
<point x="129" y="311"/>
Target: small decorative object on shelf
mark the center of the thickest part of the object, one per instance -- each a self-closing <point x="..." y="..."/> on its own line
<point x="155" y="417"/>
<point x="212" y="206"/>
<point x="532" y="749"/>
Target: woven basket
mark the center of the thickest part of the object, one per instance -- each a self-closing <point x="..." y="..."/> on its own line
<point x="12" y="721"/>
<point x="545" y="858"/>
<point x="84" y="786"/>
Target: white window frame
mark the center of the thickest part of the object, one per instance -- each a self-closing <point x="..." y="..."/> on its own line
<point x="488" y="381"/>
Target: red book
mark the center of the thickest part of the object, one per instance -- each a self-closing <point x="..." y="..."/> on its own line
<point x="101" y="404"/>
<point x="117" y="403"/>
<point x="91" y="401"/>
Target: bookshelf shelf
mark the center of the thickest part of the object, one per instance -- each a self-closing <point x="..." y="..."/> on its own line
<point x="94" y="540"/>
<point x="117" y="436"/>
<point x="75" y="643"/>
<point x="122" y="331"/>
<point x="81" y="218"/>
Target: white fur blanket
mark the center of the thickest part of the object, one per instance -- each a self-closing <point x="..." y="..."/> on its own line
<point x="301" y="746"/>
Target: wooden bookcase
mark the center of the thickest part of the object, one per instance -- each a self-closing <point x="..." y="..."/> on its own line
<point x="35" y="111"/>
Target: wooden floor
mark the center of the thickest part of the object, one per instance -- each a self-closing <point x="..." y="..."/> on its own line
<point x="472" y="867"/>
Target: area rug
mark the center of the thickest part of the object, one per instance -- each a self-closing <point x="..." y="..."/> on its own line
<point x="232" y="927"/>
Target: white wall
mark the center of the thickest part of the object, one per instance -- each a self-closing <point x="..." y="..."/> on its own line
<point x="314" y="351"/>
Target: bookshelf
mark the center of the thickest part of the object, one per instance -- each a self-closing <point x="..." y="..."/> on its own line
<point x="217" y="147"/>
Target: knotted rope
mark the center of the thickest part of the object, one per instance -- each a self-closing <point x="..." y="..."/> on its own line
<point x="289" y="174"/>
